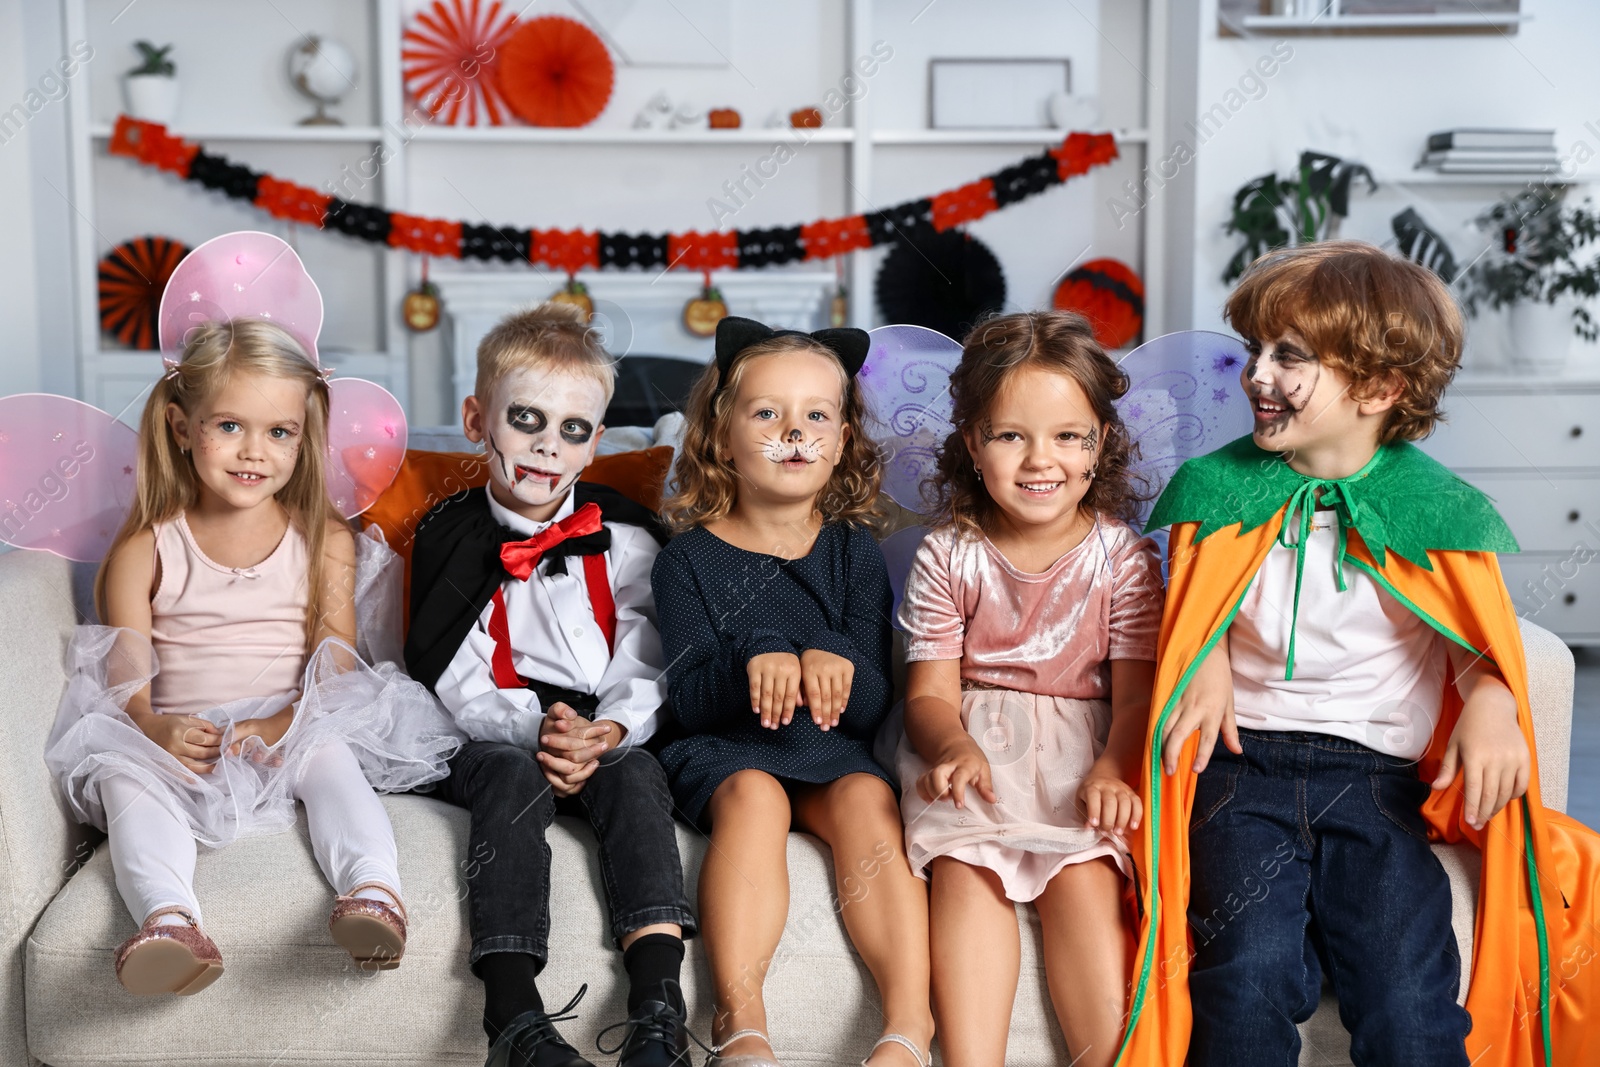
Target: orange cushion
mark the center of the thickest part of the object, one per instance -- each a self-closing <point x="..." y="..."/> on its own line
<point x="427" y="478"/>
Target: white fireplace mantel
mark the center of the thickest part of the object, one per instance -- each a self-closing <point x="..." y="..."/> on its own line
<point x="636" y="313"/>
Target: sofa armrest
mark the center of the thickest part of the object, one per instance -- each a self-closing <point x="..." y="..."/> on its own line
<point x="40" y="844"/>
<point x="1550" y="672"/>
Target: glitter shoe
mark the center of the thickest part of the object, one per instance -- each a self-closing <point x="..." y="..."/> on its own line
<point x="162" y="958"/>
<point x="372" y="931"/>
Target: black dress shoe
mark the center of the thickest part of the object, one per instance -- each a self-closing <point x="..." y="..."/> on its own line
<point x="657" y="1034"/>
<point x="530" y="1040"/>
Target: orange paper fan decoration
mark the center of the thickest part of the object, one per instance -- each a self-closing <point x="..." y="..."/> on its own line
<point x="448" y="61"/>
<point x="556" y="72"/>
<point x="132" y="277"/>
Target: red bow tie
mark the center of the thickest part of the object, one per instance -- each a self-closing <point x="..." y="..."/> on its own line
<point x="520" y="557"/>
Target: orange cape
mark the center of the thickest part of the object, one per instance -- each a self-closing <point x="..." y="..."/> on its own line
<point x="1534" y="994"/>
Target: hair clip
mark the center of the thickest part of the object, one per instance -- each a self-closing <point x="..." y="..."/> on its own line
<point x="172" y="366"/>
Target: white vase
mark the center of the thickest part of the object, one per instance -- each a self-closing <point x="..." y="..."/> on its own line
<point x="1541" y="334"/>
<point x="152" y="97"/>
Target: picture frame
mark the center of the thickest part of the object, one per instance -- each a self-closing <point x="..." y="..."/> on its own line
<point x="995" y="94"/>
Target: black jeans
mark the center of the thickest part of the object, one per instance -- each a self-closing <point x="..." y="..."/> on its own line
<point x="508" y="860"/>
<point x="1308" y="853"/>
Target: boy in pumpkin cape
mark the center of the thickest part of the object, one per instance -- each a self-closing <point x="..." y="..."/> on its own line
<point x="1336" y="616"/>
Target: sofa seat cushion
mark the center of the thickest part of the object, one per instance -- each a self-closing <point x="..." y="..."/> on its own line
<point x="291" y="996"/>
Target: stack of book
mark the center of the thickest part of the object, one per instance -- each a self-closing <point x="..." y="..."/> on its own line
<point x="1491" y="151"/>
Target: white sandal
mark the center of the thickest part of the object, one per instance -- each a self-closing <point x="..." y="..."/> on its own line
<point x="900" y="1039"/>
<point x="719" y="1060"/>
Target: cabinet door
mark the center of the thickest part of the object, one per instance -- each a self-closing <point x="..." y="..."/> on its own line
<point x="1546" y="512"/>
<point x="1560" y="592"/>
<point x="1530" y="431"/>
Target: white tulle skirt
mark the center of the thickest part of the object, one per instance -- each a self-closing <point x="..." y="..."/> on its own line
<point x="395" y="728"/>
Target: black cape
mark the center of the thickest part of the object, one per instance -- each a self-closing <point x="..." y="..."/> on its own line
<point x="455" y="567"/>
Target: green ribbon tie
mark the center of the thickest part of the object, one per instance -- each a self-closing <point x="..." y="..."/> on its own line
<point x="1302" y="502"/>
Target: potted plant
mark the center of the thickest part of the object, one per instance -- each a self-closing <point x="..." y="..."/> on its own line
<point x="1272" y="212"/>
<point x="152" y="86"/>
<point x="1541" y="268"/>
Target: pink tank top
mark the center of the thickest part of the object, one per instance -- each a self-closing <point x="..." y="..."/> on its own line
<point x="221" y="633"/>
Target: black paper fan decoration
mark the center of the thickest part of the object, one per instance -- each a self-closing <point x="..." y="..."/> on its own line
<point x="132" y="277"/>
<point x="944" y="281"/>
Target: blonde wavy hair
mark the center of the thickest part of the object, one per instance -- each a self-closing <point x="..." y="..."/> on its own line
<point x="705" y="486"/>
<point x="166" y="484"/>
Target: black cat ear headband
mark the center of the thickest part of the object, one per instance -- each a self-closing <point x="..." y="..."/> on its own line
<point x="735" y="334"/>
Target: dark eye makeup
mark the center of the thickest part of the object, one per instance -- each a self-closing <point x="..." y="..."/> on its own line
<point x="525" y="418"/>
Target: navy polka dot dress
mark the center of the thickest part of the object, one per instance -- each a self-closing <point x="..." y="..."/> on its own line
<point x="719" y="606"/>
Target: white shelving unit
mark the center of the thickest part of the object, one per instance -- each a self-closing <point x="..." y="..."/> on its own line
<point x="112" y="377"/>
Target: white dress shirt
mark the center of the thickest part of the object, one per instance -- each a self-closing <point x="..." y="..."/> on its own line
<point x="1366" y="667"/>
<point x="556" y="640"/>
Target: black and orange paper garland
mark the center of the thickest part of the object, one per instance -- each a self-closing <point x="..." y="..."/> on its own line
<point x="574" y="250"/>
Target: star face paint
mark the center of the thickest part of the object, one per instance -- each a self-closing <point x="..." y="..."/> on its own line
<point x="786" y="431"/>
<point x="540" y="429"/>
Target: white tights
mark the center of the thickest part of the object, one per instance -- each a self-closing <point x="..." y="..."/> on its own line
<point x="153" y="852"/>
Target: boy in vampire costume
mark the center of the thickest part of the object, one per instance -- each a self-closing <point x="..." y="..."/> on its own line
<point x="1336" y="617"/>
<point x="532" y="619"/>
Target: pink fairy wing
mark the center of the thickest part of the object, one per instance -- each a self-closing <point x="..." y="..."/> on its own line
<point x="906" y="383"/>
<point x="247" y="274"/>
<point x="1183" y="400"/>
<point x="66" y="475"/>
<point x="366" y="443"/>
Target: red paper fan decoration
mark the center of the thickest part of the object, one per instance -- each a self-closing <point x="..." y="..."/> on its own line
<point x="556" y="72"/>
<point x="132" y="277"/>
<point x="449" y="57"/>
<point x="1110" y="295"/>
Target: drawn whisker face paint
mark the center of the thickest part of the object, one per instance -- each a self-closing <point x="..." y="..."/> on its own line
<point x="793" y="449"/>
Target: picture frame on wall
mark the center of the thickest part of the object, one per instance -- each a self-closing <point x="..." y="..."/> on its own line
<point x="994" y="94"/>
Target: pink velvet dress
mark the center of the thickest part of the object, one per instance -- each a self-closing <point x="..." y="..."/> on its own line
<point x="1035" y="652"/>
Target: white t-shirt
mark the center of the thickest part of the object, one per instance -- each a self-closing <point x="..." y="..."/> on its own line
<point x="1366" y="667"/>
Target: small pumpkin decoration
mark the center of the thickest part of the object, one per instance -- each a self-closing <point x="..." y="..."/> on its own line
<point x="723" y="118"/>
<point x="839" y="309"/>
<point x="806" y="118"/>
<point x="420" y="308"/>
<point x="576" y="294"/>
<point x="701" y="315"/>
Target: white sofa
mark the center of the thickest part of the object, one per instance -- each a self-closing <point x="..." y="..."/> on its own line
<point x="290" y="996"/>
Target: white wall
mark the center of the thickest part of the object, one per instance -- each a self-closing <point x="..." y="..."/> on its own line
<point x="19" y="301"/>
<point x="1375" y="99"/>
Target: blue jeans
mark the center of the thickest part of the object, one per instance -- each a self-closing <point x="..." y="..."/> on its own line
<point x="1309" y="854"/>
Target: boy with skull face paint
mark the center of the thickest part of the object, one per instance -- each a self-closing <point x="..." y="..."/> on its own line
<point x="533" y="621"/>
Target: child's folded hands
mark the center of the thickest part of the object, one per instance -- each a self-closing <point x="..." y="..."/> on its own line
<point x="1206" y="708"/>
<point x="193" y="741"/>
<point x="570" y="747"/>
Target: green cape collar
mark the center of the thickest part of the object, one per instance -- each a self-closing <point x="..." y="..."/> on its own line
<point x="1403" y="501"/>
